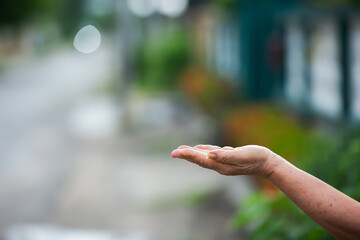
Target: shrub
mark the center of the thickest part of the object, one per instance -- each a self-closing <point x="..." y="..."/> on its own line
<point x="162" y="59"/>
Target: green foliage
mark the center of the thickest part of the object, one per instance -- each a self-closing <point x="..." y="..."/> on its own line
<point x="276" y="218"/>
<point x="67" y="14"/>
<point x="161" y="60"/>
<point x="15" y="12"/>
<point x="336" y="163"/>
<point x="342" y="165"/>
<point x="226" y="4"/>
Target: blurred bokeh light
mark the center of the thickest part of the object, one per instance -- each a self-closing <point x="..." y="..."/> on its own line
<point x="87" y="40"/>
<point x="142" y="8"/>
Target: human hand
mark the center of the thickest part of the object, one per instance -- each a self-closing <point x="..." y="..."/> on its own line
<point x="246" y="160"/>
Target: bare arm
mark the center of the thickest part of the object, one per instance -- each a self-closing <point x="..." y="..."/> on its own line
<point x="331" y="209"/>
<point x="334" y="211"/>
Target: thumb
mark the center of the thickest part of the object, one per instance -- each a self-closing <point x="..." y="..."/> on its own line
<point x="224" y="156"/>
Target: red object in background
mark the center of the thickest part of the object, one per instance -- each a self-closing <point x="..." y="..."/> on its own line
<point x="275" y="51"/>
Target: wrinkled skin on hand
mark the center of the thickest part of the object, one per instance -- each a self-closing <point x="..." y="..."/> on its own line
<point x="245" y="160"/>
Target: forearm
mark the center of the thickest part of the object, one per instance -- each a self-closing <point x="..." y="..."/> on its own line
<point x="334" y="211"/>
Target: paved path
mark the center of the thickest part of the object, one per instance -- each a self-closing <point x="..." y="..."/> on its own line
<point x="35" y="149"/>
<point x="53" y="171"/>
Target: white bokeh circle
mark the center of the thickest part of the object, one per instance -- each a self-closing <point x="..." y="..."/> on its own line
<point x="87" y="39"/>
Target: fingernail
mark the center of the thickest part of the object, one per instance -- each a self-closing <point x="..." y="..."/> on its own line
<point x="211" y="156"/>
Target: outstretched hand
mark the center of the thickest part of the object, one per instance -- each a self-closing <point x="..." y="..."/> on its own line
<point x="246" y="160"/>
<point x="336" y="212"/>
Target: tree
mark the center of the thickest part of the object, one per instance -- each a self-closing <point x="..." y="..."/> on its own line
<point x="14" y="13"/>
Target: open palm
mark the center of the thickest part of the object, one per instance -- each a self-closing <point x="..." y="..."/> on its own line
<point x="245" y="160"/>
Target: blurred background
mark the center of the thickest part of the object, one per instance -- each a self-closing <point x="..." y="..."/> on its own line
<point x="95" y="94"/>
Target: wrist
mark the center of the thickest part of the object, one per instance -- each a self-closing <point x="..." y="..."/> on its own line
<point x="272" y="164"/>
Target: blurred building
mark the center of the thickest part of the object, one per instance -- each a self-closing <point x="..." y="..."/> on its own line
<point x="303" y="54"/>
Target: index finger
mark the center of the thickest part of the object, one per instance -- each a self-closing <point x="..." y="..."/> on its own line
<point x="195" y="156"/>
<point x="207" y="147"/>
